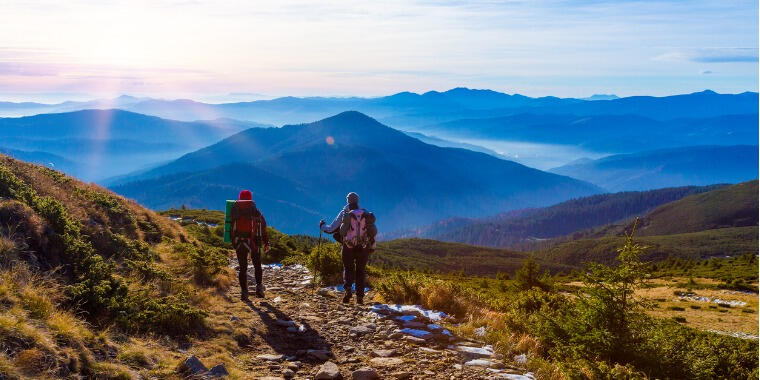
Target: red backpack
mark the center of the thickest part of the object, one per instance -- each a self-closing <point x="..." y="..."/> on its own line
<point x="246" y="221"/>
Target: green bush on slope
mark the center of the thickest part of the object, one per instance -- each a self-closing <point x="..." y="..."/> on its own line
<point x="94" y="287"/>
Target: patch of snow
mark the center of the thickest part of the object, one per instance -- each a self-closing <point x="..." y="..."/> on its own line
<point x="485" y="351"/>
<point x="340" y="288"/>
<point x="735" y="334"/>
<point x="417" y="333"/>
<point x="430" y="314"/>
<point x="697" y="298"/>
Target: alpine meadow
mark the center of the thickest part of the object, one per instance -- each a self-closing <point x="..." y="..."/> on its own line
<point x="324" y="190"/>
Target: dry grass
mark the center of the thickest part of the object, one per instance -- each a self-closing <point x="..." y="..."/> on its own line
<point x="703" y="315"/>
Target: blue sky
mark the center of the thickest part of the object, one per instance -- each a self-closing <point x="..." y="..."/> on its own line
<point x="207" y="49"/>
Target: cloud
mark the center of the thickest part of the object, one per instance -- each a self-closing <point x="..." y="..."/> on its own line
<point x="711" y="55"/>
<point x="706" y="72"/>
<point x="28" y="69"/>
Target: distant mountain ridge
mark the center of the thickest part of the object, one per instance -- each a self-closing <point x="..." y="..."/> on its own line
<point x="406" y="109"/>
<point x="690" y="165"/>
<point x="520" y="229"/>
<point x="104" y="143"/>
<point x="605" y="132"/>
<point x="405" y="181"/>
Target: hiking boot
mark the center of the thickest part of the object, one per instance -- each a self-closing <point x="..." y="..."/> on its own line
<point x="360" y="299"/>
<point x="260" y="290"/>
<point x="347" y="297"/>
<point x="244" y="296"/>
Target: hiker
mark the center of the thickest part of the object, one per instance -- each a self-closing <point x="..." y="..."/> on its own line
<point x="249" y="236"/>
<point x="354" y="228"/>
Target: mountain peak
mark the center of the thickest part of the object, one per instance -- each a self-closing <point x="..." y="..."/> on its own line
<point x="354" y="117"/>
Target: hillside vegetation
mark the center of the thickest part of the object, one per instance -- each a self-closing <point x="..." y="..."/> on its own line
<point x="734" y="206"/>
<point x="441" y="257"/>
<point x="96" y="286"/>
<point x="522" y="229"/>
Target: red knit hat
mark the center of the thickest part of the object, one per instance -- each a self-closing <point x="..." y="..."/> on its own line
<point x="245" y="195"/>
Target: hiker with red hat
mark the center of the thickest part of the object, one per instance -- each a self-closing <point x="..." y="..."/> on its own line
<point x="249" y="236"/>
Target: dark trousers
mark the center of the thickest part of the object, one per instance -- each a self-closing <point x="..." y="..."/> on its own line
<point x="354" y="265"/>
<point x="242" y="254"/>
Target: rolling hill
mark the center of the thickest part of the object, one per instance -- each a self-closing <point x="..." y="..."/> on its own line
<point x="733" y="206"/>
<point x="522" y="229"/>
<point x="718" y="223"/>
<point x="309" y="168"/>
<point x="692" y="165"/>
<point x="105" y="143"/>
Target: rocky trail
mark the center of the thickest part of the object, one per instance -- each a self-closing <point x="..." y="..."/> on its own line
<point x="299" y="332"/>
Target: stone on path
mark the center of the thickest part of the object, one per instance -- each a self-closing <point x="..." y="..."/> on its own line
<point x="328" y="371"/>
<point x="318" y="354"/>
<point x="383" y="353"/>
<point x="512" y="376"/>
<point x="478" y="363"/>
<point x="365" y="373"/>
<point x="402" y="375"/>
<point x="360" y="330"/>
<point x="475" y="352"/>
<point x="386" y="362"/>
<point x="415" y="340"/>
<point x="271" y="357"/>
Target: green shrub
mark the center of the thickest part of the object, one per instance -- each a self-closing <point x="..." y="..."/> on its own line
<point x="529" y="276"/>
<point x="167" y="315"/>
<point x="326" y="263"/>
<point x="206" y="261"/>
<point x="402" y="287"/>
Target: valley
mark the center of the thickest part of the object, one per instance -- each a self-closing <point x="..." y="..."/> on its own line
<point x="523" y="260"/>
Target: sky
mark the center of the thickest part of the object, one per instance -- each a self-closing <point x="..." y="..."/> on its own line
<point x="243" y="50"/>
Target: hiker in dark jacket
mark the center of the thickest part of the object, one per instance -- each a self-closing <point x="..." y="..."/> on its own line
<point x="249" y="236"/>
<point x="354" y="255"/>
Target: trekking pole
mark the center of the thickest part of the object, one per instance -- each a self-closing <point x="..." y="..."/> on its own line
<point x="319" y="248"/>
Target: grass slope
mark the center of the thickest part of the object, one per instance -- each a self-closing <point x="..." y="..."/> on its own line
<point x="734" y="206"/>
<point x="95" y="286"/>
<point x="442" y="257"/>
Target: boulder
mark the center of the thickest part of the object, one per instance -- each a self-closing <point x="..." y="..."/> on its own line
<point x="365" y="373"/>
<point x="328" y="371"/>
<point x="218" y="370"/>
<point x="192" y="366"/>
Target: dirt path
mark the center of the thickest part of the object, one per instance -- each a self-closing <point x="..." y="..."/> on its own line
<point x="296" y="329"/>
